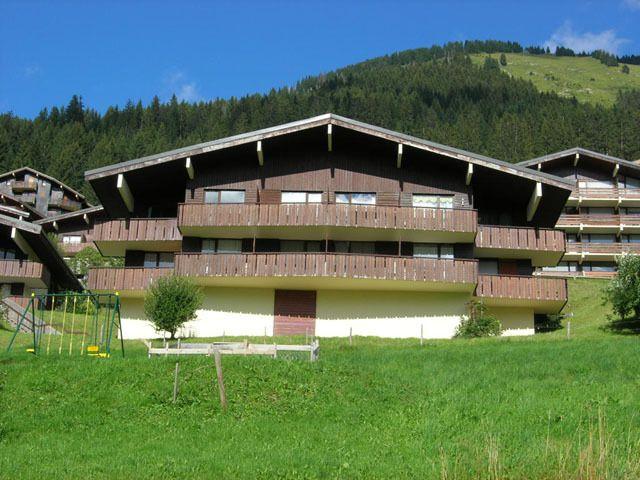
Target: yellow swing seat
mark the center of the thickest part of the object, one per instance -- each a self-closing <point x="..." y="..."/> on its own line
<point x="93" y="350"/>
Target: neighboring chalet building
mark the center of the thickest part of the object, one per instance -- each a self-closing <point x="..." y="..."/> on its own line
<point x="328" y="224"/>
<point x="55" y="206"/>
<point x="602" y="215"/>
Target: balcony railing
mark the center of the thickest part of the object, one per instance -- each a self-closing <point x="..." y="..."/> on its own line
<point x="124" y="278"/>
<point x="327" y="265"/>
<point x="136" y="229"/>
<point x="321" y="215"/>
<point x="520" y="238"/>
<point x="73" y="248"/>
<point x="522" y="287"/>
<point x="24" y="271"/>
<point x="599" y="222"/>
<point x="574" y="274"/>
<point x="613" y="193"/>
<point x="580" y="248"/>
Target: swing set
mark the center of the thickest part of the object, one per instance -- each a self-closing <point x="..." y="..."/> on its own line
<point x="68" y="323"/>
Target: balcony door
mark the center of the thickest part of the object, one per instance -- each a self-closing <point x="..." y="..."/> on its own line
<point x="294" y="312"/>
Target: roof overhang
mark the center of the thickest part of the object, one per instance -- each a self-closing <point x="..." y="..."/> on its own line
<point x="624" y="165"/>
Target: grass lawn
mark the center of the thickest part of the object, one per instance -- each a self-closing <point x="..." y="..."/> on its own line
<point x="537" y="407"/>
<point x="583" y="77"/>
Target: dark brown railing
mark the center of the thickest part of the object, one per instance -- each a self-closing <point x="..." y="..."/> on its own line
<point x="24" y="269"/>
<point x="330" y="265"/>
<point x="522" y="287"/>
<point x="136" y="229"/>
<point x="318" y="214"/>
<point x="124" y="278"/>
<point x="520" y="238"/>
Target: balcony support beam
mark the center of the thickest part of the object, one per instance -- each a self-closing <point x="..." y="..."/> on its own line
<point x="534" y="201"/>
<point x="260" y="153"/>
<point x="85" y="217"/>
<point x="616" y="168"/>
<point x="189" y="166"/>
<point x="330" y="138"/>
<point x="469" y="174"/>
<point x="576" y="160"/>
<point x="125" y="192"/>
<point x="399" y="158"/>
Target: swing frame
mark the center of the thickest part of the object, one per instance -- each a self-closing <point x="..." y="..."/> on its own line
<point x="38" y="325"/>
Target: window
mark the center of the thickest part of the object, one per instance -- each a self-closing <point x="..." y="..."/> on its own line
<point x="8" y="254"/>
<point x="600" y="210"/>
<point x="295" y="246"/>
<point x="432" y="250"/>
<point x="488" y="267"/>
<point x="224" y="196"/>
<point x="630" y="210"/>
<point x="301" y="197"/>
<point x="572" y="238"/>
<point x="600" y="238"/>
<point x="631" y="182"/>
<point x="631" y="238"/>
<point x="599" y="267"/>
<point x="72" y="239"/>
<point x="432" y="201"/>
<point x="221" y="245"/>
<point x="356" y="198"/>
<point x="158" y="260"/>
<point x="368" y="248"/>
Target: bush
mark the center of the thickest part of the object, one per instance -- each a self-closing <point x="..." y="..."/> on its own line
<point x="170" y="302"/>
<point x="503" y="60"/>
<point x="478" y="323"/>
<point x="625" y="69"/>
<point x="491" y="64"/>
<point x="623" y="291"/>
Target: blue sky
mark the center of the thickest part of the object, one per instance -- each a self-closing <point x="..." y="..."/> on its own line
<point x="110" y="52"/>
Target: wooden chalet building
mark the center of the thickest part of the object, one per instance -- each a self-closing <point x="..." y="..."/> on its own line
<point x="602" y="215"/>
<point x="50" y="203"/>
<point x="329" y="225"/>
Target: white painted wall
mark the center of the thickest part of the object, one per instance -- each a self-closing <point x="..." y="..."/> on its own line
<point x="516" y="321"/>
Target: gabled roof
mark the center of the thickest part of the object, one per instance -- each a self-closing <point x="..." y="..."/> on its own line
<point x="327" y="119"/>
<point x="17" y="203"/>
<point x="39" y="174"/>
<point x="581" y="151"/>
<point x="68" y="215"/>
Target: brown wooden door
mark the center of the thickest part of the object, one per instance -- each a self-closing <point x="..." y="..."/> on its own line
<point x="294" y="312"/>
<point x="508" y="267"/>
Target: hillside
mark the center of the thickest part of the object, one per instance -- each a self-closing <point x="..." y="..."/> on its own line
<point x="540" y="407"/>
<point x="584" y="78"/>
<point x="436" y="93"/>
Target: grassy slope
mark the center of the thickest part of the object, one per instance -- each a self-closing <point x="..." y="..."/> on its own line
<point x="583" y="77"/>
<point x="540" y="407"/>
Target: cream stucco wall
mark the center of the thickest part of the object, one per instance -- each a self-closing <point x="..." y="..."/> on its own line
<point x="225" y="311"/>
<point x="389" y="314"/>
<point x="515" y="320"/>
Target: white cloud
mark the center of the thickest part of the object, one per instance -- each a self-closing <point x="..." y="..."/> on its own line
<point x="31" y="71"/>
<point x="632" y="4"/>
<point x="177" y="82"/>
<point x="566" y="36"/>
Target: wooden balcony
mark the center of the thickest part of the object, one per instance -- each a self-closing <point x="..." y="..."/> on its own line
<point x="599" y="251"/>
<point x="340" y="222"/>
<point x="70" y="249"/>
<point x="543" y="246"/>
<point x="128" y="281"/>
<point x="544" y="294"/>
<point x="565" y="274"/>
<point x="599" y="223"/>
<point x="328" y="271"/>
<point x="113" y="237"/>
<point x="603" y="197"/>
<point x="32" y="274"/>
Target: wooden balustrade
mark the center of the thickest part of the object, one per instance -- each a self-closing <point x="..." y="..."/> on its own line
<point x="124" y="278"/>
<point x="602" y="248"/>
<point x="23" y="270"/>
<point x="318" y="214"/>
<point x="520" y="238"/>
<point x="136" y="229"/>
<point x="329" y="265"/>
<point x="613" y="193"/>
<point x="522" y="287"/>
<point x="575" y="220"/>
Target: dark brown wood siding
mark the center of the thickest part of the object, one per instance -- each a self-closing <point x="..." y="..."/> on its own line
<point x="294" y="312"/>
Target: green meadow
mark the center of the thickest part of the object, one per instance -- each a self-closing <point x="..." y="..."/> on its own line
<point x="544" y="407"/>
<point x="582" y="77"/>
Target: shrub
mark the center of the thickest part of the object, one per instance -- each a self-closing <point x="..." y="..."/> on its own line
<point x="623" y="290"/>
<point x="503" y="60"/>
<point x="478" y="323"/>
<point x="491" y="64"/>
<point x="170" y="302"/>
<point x="625" y="69"/>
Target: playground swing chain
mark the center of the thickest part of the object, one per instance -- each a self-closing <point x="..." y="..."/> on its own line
<point x="101" y="316"/>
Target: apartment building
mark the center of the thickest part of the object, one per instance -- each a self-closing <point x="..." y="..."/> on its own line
<point x="601" y="218"/>
<point x="327" y="226"/>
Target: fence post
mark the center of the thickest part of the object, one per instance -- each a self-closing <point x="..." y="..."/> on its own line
<point x="568" y="329"/>
<point x="350" y="336"/>
<point x="223" y="393"/>
<point x="421" y="334"/>
<point x="175" y="382"/>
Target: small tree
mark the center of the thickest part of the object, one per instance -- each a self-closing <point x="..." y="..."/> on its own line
<point x="478" y="323"/>
<point x="491" y="63"/>
<point x="503" y="60"/>
<point x="170" y="302"/>
<point x="625" y="69"/>
<point x="623" y="291"/>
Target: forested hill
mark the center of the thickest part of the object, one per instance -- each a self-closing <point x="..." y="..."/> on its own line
<point x="436" y="93"/>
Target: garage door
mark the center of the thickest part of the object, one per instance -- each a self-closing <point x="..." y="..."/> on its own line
<point x="294" y="312"/>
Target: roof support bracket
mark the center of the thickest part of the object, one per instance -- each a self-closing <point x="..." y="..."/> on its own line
<point x="534" y="201"/>
<point x="260" y="153"/>
<point x="576" y="159"/>
<point x="189" y="166"/>
<point x="616" y="168"/>
<point x="469" y="174"/>
<point x="125" y="192"/>
<point x="399" y="158"/>
<point x="329" y="138"/>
